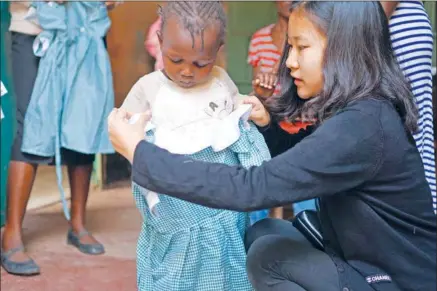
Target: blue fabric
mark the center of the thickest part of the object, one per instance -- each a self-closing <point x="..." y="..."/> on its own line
<point x="188" y="247"/>
<point x="304" y="205"/>
<point x="74" y="82"/>
<point x="73" y="92"/>
<point x="256" y="216"/>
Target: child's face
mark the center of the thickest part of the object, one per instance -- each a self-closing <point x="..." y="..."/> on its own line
<point x="305" y="58"/>
<point x="183" y="64"/>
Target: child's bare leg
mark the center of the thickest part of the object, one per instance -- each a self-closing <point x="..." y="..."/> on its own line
<point x="277" y="212"/>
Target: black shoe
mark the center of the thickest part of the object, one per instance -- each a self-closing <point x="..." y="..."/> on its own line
<point x="26" y="268"/>
<point x="89" y="249"/>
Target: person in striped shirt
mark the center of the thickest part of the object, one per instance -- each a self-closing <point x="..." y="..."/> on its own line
<point x="412" y="41"/>
<point x="265" y="52"/>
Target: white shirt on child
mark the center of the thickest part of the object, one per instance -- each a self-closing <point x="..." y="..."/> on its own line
<point x="187" y="121"/>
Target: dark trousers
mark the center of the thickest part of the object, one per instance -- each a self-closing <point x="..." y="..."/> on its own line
<point x="279" y="258"/>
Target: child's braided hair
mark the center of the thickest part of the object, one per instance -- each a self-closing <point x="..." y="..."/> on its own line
<point x="196" y="16"/>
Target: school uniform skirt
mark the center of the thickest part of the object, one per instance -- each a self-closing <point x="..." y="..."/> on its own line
<point x="24" y="72"/>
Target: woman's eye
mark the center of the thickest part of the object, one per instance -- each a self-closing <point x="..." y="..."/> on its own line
<point x="302" y="47"/>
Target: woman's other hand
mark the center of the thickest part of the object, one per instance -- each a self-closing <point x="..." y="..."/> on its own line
<point x="259" y="114"/>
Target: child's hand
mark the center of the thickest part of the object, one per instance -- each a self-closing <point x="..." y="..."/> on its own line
<point x="259" y="114"/>
<point x="264" y="84"/>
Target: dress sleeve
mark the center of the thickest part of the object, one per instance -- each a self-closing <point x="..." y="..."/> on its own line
<point x="223" y="76"/>
<point x="140" y="98"/>
<point x="251" y="148"/>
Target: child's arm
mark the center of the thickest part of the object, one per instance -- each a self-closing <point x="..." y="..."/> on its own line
<point x="252" y="151"/>
<point x="136" y="100"/>
<point x="140" y="97"/>
<point x="223" y="76"/>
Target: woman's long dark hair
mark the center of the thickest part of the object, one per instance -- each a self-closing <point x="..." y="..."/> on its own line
<point x="359" y="63"/>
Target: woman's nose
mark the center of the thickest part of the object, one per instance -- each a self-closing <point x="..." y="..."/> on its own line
<point x="291" y="61"/>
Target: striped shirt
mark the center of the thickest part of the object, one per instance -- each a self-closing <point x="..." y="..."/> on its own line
<point x="412" y="41"/>
<point x="265" y="55"/>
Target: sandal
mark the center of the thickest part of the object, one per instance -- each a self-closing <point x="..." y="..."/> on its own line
<point x="26" y="268"/>
<point x="89" y="249"/>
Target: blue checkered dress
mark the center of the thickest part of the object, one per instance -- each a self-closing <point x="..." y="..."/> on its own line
<point x="188" y="247"/>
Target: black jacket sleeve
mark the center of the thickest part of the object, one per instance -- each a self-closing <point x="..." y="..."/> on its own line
<point x="340" y="155"/>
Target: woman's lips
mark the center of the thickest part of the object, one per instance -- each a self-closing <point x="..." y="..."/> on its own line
<point x="297" y="81"/>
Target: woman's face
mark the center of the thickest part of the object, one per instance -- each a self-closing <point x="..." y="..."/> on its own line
<point x="305" y="58"/>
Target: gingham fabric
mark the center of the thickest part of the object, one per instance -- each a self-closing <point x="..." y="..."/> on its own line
<point x="188" y="247"/>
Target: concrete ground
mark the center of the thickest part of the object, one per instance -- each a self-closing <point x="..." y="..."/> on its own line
<point x="114" y="221"/>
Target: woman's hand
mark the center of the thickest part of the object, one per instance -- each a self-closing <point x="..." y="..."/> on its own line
<point x="259" y="114"/>
<point x="124" y="136"/>
<point x="264" y="84"/>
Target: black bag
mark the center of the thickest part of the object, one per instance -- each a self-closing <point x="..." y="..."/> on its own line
<point x="308" y="223"/>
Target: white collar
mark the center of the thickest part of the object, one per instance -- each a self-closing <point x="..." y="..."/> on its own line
<point x="186" y="121"/>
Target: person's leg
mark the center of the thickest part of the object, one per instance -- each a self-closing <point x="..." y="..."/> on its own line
<point x="80" y="168"/>
<point x="280" y="258"/>
<point x="21" y="176"/>
<point x="22" y="169"/>
<point x="79" y="177"/>
<point x="277" y="212"/>
<point x="267" y="227"/>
